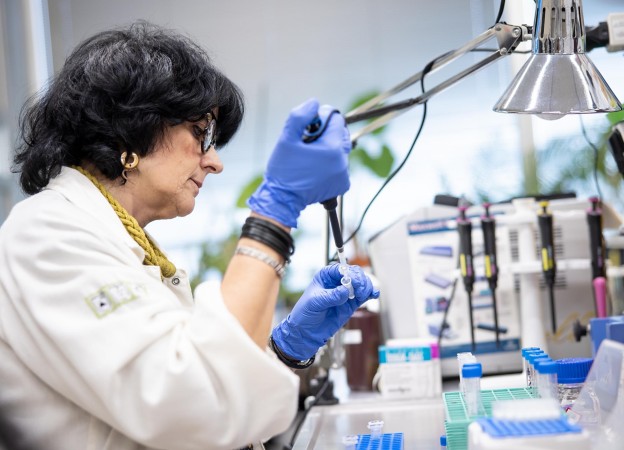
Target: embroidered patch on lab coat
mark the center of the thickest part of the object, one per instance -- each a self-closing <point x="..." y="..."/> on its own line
<point x="108" y="298"/>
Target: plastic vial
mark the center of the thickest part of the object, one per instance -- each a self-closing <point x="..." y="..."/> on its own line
<point x="350" y="441"/>
<point x="443" y="442"/>
<point x="546" y="378"/>
<point x="530" y="358"/>
<point x="535" y="383"/>
<point x="375" y="427"/>
<point x="571" y="375"/>
<point x="524" y="352"/>
<point x="464" y="358"/>
<point x="471" y="374"/>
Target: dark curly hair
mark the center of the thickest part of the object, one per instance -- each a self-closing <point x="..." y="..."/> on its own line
<point x="119" y="90"/>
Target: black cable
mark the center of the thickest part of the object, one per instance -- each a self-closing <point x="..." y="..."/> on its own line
<point x="448" y="306"/>
<point x="501" y="8"/>
<point x="317" y="397"/>
<point x="596" y="156"/>
<point x="426" y="70"/>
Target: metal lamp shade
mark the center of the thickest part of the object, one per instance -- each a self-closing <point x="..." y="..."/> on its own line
<point x="558" y="78"/>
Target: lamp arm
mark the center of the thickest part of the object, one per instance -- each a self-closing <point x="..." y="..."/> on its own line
<point x="508" y="36"/>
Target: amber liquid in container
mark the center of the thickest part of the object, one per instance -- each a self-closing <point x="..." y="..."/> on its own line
<point x="362" y="360"/>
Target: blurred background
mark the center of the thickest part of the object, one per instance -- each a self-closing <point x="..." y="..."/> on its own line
<point x="280" y="53"/>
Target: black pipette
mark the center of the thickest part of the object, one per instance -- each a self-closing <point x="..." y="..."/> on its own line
<point x="488" y="225"/>
<point x="311" y="133"/>
<point x="597" y="250"/>
<point x="331" y="205"/>
<point x="549" y="266"/>
<point x="464" y="227"/>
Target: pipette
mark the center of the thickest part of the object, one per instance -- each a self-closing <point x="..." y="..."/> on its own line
<point x="597" y="250"/>
<point x="549" y="267"/>
<point x="311" y="133"/>
<point x="488" y="225"/>
<point x="464" y="227"/>
<point x="331" y="205"/>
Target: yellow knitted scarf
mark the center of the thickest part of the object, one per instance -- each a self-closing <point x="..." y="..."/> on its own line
<point x="153" y="255"/>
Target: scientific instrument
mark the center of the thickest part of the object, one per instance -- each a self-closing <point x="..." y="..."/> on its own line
<point x="464" y="227"/>
<point x="488" y="225"/>
<point x="549" y="266"/>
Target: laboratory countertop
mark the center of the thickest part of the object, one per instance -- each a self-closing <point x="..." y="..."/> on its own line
<point x="420" y="420"/>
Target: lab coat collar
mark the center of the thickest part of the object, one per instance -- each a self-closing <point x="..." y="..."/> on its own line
<point x="80" y="191"/>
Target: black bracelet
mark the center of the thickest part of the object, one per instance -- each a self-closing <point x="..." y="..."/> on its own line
<point x="280" y="233"/>
<point x="269" y="234"/>
<point x="292" y="363"/>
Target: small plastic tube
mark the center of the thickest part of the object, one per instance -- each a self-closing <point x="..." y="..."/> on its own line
<point x="343" y="268"/>
<point x="443" y="442"/>
<point x="375" y="427"/>
<point x="350" y="441"/>
<point x="536" y="380"/>
<point x="547" y="379"/>
<point x="472" y="388"/>
<point x="524" y="352"/>
<point x="530" y="357"/>
<point x="464" y="358"/>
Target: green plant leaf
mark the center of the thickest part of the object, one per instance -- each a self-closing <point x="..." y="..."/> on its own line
<point x="247" y="190"/>
<point x="380" y="165"/>
<point x="360" y="100"/>
<point x="616" y="117"/>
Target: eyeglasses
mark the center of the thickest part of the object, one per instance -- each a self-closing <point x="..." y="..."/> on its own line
<point x="209" y="134"/>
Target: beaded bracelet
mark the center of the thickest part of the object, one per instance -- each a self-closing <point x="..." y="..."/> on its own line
<point x="279" y="268"/>
<point x="292" y="363"/>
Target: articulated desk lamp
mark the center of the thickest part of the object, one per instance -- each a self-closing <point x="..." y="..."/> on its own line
<point x="557" y="79"/>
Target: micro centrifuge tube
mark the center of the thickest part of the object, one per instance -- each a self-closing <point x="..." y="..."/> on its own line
<point x="375" y="427"/>
<point x="350" y="441"/>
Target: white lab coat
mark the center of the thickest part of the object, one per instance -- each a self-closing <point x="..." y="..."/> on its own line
<point x="97" y="352"/>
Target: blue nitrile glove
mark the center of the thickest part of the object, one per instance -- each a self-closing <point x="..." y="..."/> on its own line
<point x="322" y="310"/>
<point x="299" y="174"/>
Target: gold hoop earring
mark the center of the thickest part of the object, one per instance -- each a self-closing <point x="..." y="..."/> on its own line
<point x="128" y="164"/>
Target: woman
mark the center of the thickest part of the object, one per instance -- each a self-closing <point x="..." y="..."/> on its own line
<point x="103" y="345"/>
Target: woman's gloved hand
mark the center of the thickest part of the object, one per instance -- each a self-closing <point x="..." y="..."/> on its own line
<point x="299" y="174"/>
<point x="323" y="308"/>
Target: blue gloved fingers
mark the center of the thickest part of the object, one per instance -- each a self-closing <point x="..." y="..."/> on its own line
<point x="362" y="284"/>
<point x="300" y="117"/>
<point x="330" y="276"/>
<point x="329" y="298"/>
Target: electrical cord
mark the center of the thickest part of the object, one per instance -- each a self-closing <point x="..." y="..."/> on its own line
<point x="317" y="398"/>
<point x="501" y="8"/>
<point x="596" y="156"/>
<point x="426" y="70"/>
<point x="448" y="306"/>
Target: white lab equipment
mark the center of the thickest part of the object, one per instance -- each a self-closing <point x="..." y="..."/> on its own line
<point x="415" y="262"/>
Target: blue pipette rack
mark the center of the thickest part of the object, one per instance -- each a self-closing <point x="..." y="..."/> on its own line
<point x="387" y="441"/>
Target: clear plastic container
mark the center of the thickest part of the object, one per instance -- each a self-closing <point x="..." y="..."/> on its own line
<point x="571" y="375"/>
<point x="375" y="427"/>
<point x="546" y="378"/>
<point x="350" y="441"/>
<point x="524" y="352"/>
<point x="471" y="374"/>
<point x="530" y="370"/>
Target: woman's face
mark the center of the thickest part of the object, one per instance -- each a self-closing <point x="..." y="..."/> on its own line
<point x="169" y="178"/>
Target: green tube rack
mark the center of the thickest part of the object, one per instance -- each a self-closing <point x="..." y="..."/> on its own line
<point x="457" y="420"/>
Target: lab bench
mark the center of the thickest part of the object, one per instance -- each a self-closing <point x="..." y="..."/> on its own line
<point x="420" y="420"/>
